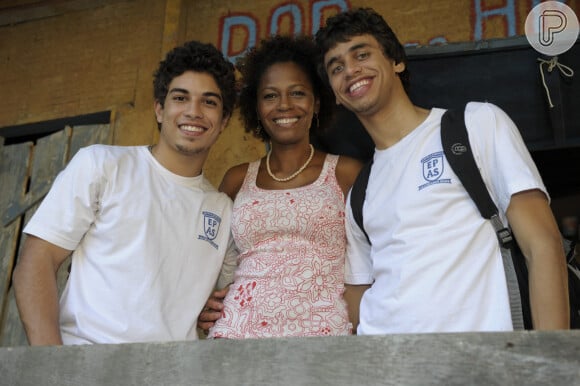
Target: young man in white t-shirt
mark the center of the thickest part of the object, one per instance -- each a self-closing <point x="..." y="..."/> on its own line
<point x="147" y="231"/>
<point x="434" y="264"/>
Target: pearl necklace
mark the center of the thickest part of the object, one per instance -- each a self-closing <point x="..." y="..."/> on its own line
<point x="293" y="175"/>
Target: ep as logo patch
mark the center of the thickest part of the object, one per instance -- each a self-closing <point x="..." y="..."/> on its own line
<point x="211" y="227"/>
<point x="433" y="166"/>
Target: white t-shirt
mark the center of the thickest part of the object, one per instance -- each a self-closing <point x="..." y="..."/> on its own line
<point x="148" y="246"/>
<point x="435" y="263"/>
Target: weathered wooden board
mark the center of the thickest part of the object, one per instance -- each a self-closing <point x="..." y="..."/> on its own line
<point x="23" y="187"/>
<point x="26" y="173"/>
<point x="48" y="158"/>
<point x="87" y="135"/>
<point x="8" y="247"/>
<point x="14" y="172"/>
<point x="13" y="332"/>
<point x="518" y="358"/>
<point x="13" y="176"/>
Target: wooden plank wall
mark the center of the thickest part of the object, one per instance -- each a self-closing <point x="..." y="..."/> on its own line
<point x="27" y="171"/>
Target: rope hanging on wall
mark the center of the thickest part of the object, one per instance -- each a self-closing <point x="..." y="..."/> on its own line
<point x="553" y="63"/>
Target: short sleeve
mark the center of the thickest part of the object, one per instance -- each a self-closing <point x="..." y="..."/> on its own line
<point x="501" y="153"/>
<point x="358" y="263"/>
<point x="229" y="265"/>
<point x="69" y="208"/>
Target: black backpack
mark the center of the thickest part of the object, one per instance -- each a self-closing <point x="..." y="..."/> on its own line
<point x="459" y="155"/>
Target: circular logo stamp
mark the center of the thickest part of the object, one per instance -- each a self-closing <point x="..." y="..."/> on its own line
<point x="552" y="28"/>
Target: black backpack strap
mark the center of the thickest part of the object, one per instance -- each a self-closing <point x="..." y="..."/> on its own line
<point x="460" y="156"/>
<point x="458" y="153"/>
<point x="357" y="196"/>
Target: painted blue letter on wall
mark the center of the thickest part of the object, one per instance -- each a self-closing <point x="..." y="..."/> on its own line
<point x="231" y="22"/>
<point x="318" y="6"/>
<point x="509" y="12"/>
<point x="295" y="13"/>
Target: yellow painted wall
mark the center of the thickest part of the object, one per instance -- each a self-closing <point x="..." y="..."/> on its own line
<point x="91" y="59"/>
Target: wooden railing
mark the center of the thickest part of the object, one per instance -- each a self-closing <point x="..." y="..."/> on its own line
<point x="515" y="358"/>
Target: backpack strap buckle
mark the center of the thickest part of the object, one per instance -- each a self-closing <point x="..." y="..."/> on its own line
<point x="504" y="234"/>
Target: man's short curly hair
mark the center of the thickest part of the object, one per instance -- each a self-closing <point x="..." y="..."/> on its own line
<point x="198" y="57"/>
<point x="344" y="26"/>
<point x="300" y="50"/>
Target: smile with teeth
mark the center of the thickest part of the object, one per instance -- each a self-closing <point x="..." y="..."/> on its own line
<point x="285" y="121"/>
<point x="355" y="87"/>
<point x="192" y="129"/>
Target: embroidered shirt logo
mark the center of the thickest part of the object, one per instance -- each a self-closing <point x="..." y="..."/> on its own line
<point x="433" y="167"/>
<point x="211" y="227"/>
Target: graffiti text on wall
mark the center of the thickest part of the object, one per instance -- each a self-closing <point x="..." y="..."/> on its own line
<point x="248" y="25"/>
<point x="245" y="28"/>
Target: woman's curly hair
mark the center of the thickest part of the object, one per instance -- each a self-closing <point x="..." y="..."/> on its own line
<point x="198" y="57"/>
<point x="300" y="50"/>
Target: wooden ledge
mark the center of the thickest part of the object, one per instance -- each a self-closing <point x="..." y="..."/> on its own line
<point x="515" y="358"/>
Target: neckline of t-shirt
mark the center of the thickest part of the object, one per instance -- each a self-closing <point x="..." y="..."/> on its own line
<point x="186" y="181"/>
<point x="434" y="115"/>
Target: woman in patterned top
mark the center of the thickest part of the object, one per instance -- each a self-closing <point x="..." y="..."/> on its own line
<point x="288" y="220"/>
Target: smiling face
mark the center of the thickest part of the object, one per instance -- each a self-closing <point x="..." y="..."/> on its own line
<point x="286" y="102"/>
<point x="363" y="79"/>
<point x="191" y="117"/>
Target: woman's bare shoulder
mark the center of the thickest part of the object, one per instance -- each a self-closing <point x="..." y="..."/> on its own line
<point x="233" y="179"/>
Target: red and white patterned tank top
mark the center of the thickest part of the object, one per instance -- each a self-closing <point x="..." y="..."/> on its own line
<point x="290" y="275"/>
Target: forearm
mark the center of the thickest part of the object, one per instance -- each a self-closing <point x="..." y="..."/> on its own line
<point x="35" y="288"/>
<point x="549" y="293"/>
<point x="536" y="231"/>
<point x="353" y="295"/>
<point x="37" y="300"/>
